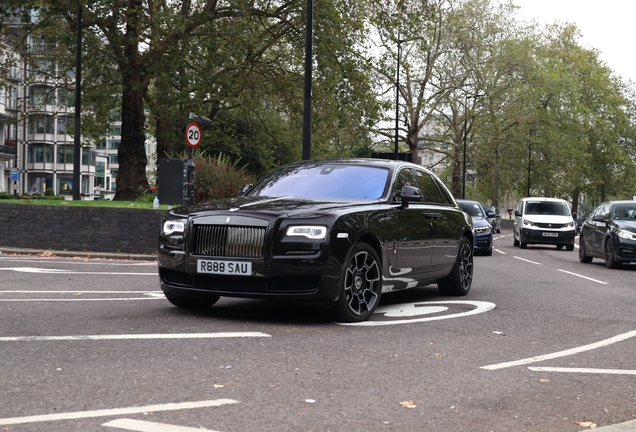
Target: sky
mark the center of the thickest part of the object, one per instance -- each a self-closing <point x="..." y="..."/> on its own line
<point x="608" y="26"/>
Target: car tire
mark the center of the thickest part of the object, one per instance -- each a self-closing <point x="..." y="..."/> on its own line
<point x="610" y="256"/>
<point x="569" y="247"/>
<point x="459" y="280"/>
<point x="523" y="245"/>
<point x="559" y="246"/>
<point x="583" y="256"/>
<point x="488" y="252"/>
<point x="192" y="303"/>
<point x="515" y="242"/>
<point x="361" y="285"/>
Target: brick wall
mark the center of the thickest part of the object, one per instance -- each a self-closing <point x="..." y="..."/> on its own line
<point x="96" y="229"/>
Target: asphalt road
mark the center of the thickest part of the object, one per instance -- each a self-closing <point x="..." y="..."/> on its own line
<point x="541" y="343"/>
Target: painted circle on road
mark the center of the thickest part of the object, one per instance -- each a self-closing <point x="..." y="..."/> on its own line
<point x="415" y="312"/>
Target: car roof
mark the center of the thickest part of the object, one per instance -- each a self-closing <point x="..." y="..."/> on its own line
<point x="468" y="201"/>
<point x="543" y="199"/>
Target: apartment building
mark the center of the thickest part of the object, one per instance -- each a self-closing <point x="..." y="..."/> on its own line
<point x="37" y="116"/>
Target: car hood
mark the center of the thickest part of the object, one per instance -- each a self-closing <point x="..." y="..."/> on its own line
<point x="627" y="225"/>
<point x="480" y="222"/>
<point x="549" y="219"/>
<point x="275" y="206"/>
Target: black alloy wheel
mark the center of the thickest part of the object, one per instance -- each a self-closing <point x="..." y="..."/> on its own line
<point x="361" y="285"/>
<point x="458" y="282"/>
<point x="583" y="256"/>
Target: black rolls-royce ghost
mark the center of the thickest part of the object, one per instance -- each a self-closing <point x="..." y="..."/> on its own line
<point x="337" y="232"/>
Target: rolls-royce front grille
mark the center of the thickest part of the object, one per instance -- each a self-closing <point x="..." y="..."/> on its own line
<point x="228" y="241"/>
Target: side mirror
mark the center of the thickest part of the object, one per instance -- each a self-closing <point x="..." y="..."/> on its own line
<point x="598" y="218"/>
<point x="517" y="214"/>
<point x="244" y="189"/>
<point x="574" y="215"/>
<point x="490" y="215"/>
<point x="411" y="194"/>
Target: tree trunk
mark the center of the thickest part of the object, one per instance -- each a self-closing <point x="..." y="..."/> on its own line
<point x="131" y="178"/>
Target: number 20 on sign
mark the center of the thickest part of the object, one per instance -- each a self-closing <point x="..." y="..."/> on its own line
<point x="193" y="135"/>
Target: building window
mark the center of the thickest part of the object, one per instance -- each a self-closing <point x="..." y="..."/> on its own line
<point x="65" y="185"/>
<point x="40" y="153"/>
<point x="101" y="145"/>
<point x="65" y="125"/>
<point x="42" y="96"/>
<point x="115" y="130"/>
<point x="41" y="124"/>
<point x="113" y="144"/>
<point x="40" y="184"/>
<point x="64" y="154"/>
<point x="113" y="158"/>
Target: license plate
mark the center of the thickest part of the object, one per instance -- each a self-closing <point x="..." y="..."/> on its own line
<point x="239" y="268"/>
<point x="550" y="234"/>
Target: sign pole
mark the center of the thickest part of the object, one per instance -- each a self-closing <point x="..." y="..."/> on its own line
<point x="193" y="139"/>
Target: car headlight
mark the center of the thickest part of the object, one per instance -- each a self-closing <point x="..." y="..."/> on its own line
<point x="482" y="230"/>
<point x="172" y="227"/>
<point x="626" y="235"/>
<point x="312" y="232"/>
<point x="527" y="222"/>
<point x="568" y="225"/>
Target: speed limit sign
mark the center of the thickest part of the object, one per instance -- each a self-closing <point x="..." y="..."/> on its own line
<point x="193" y="135"/>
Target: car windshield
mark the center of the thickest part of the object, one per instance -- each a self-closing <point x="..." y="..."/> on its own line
<point x="624" y="211"/>
<point x="324" y="181"/>
<point x="547" y="208"/>
<point x="473" y="209"/>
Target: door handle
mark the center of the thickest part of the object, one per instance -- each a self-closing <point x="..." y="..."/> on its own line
<point x="432" y="215"/>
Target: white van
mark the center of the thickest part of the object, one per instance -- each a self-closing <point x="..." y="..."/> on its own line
<point x="543" y="220"/>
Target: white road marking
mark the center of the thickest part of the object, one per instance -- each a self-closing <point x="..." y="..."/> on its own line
<point x="144" y="426"/>
<point x="135" y="336"/>
<point x="82" y="299"/>
<point x="531" y="262"/>
<point x="501" y="252"/>
<point x="584" y="277"/>
<point x="76" y="292"/>
<point x="115" y="411"/>
<point x="85" y="261"/>
<point x="583" y="370"/>
<point x="572" y="351"/>
<point x="423" y="307"/>
<point x="68" y="272"/>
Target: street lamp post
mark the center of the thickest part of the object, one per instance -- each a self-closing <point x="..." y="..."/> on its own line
<point x="475" y="96"/>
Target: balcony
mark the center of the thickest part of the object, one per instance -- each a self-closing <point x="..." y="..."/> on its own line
<point x="7" y="152"/>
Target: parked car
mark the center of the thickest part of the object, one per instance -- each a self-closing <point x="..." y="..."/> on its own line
<point x="610" y="234"/>
<point x="335" y="232"/>
<point x="579" y="223"/>
<point x="483" y="229"/>
<point x="542" y="220"/>
<point x="493" y="217"/>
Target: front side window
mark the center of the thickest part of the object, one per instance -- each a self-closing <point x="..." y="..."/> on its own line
<point x="406" y="177"/>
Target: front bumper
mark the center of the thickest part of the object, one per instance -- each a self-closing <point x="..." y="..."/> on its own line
<point x="311" y="278"/>
<point x="552" y="237"/>
<point x="626" y="250"/>
<point x="483" y="242"/>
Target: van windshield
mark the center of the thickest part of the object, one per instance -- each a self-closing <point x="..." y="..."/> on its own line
<point x="546" y="208"/>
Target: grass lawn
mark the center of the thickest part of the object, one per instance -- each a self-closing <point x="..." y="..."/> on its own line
<point x="142" y="204"/>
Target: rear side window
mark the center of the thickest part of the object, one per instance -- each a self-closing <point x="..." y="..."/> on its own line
<point x="430" y="189"/>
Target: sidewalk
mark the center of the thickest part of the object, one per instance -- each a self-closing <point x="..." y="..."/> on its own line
<point x="76" y="254"/>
